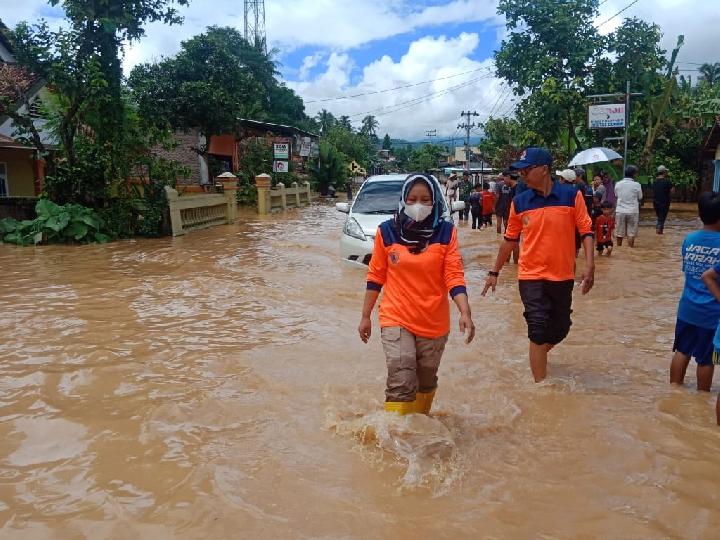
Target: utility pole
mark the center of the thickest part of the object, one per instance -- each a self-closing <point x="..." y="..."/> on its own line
<point x="467" y="126"/>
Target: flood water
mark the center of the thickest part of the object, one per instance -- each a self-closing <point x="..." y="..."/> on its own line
<point x="214" y="386"/>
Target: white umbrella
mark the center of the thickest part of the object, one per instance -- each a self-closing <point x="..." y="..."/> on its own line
<point x="595" y="155"/>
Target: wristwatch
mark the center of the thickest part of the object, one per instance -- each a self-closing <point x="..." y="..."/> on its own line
<point x="493" y="274"/>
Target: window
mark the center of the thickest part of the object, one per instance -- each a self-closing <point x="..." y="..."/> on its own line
<point x="3" y="180"/>
<point x="378" y="198"/>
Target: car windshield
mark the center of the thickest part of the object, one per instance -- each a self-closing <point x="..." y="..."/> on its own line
<point x="378" y="198"/>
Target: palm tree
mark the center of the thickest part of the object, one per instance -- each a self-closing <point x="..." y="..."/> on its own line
<point x="369" y="126"/>
<point x="710" y="73"/>
<point x="326" y="120"/>
<point x="345" y="122"/>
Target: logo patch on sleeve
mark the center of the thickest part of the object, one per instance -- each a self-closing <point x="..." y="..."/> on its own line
<point x="394" y="257"/>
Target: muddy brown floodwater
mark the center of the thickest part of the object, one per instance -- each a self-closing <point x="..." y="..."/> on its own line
<point x="213" y="386"/>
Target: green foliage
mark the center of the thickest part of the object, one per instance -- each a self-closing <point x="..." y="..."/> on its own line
<point x="326" y="121"/>
<point x="504" y="140"/>
<point x="387" y="143"/>
<point x="214" y="80"/>
<point x="353" y="146"/>
<point x="549" y="54"/>
<point x="331" y="169"/>
<point x="256" y="157"/>
<point x="80" y="62"/>
<point x="425" y="158"/>
<point x="369" y="126"/>
<point x="56" y="224"/>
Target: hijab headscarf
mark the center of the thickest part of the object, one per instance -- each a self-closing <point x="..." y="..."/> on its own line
<point x="417" y="234"/>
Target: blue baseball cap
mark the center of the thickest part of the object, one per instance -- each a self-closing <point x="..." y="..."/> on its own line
<point x="533" y="156"/>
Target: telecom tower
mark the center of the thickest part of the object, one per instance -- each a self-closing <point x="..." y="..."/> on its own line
<point x="255" y="22"/>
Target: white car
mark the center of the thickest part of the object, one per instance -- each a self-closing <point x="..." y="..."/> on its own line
<point x="376" y="202"/>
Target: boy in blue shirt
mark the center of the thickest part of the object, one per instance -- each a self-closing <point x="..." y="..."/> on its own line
<point x="698" y="310"/>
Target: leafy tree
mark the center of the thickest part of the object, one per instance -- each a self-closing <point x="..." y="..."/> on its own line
<point x="710" y="73"/>
<point x="504" y="140"/>
<point x="325" y="120"/>
<point x="208" y="85"/>
<point x="81" y="65"/>
<point x="638" y="56"/>
<point x="387" y="143"/>
<point x="331" y="167"/>
<point x="344" y="121"/>
<point x="369" y="126"/>
<point x="426" y="157"/>
<point x="551" y="47"/>
<point x="354" y="146"/>
<point x="101" y="28"/>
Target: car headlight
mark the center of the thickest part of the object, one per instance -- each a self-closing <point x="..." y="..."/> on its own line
<point x="353" y="228"/>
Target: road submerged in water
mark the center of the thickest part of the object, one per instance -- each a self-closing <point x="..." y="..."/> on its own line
<point x="213" y="386"/>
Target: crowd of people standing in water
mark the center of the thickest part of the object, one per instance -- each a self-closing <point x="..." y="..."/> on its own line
<point x="546" y="219"/>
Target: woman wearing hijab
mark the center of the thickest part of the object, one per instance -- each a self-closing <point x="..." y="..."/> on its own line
<point x="416" y="260"/>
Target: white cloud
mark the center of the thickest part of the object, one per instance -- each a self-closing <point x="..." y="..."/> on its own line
<point x="309" y="62"/>
<point x="697" y="20"/>
<point x="408" y="112"/>
<point x="346" y="24"/>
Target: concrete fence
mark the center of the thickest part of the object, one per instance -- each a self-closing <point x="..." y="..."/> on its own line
<point x="280" y="197"/>
<point x="191" y="212"/>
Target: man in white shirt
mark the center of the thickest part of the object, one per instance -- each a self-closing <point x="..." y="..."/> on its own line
<point x="627" y="209"/>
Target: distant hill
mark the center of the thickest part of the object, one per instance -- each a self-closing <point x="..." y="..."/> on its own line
<point x="444" y="141"/>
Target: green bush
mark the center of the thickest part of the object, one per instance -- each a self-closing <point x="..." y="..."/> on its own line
<point x="55" y="224"/>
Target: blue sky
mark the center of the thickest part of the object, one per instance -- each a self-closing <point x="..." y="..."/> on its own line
<point x="331" y="48"/>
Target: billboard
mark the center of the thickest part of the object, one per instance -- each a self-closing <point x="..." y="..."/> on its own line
<point x="610" y="115"/>
<point x="280" y="166"/>
<point x="281" y="150"/>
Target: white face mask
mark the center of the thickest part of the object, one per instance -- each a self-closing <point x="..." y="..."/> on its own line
<point x="418" y="211"/>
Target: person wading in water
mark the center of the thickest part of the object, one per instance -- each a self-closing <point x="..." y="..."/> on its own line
<point x="547" y="216"/>
<point x="417" y="262"/>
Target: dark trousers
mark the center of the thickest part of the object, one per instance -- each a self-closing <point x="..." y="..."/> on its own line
<point x="661" y="211"/>
<point x="476" y="217"/>
<point x="547" y="309"/>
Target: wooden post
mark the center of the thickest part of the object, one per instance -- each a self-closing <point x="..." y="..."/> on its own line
<point x="175" y="216"/>
<point x="230" y="186"/>
<point x="309" y="198"/>
<point x="262" y="183"/>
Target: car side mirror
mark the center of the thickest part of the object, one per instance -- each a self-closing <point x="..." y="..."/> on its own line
<point x="457" y="206"/>
<point x="342" y="207"/>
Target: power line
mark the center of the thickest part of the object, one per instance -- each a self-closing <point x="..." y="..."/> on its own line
<point x="397" y="87"/>
<point x="415" y="101"/>
<point x="631" y="4"/>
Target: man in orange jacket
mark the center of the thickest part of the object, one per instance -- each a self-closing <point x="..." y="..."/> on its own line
<point x="546" y="215"/>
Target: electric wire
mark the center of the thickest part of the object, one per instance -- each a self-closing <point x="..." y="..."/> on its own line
<point x="397" y="87"/>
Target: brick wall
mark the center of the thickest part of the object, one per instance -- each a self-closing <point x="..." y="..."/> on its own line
<point x="184" y="154"/>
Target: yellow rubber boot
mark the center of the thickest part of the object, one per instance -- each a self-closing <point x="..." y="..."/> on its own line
<point x="424" y="401"/>
<point x="401" y="407"/>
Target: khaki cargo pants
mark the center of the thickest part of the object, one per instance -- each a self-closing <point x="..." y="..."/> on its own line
<point x="412" y="363"/>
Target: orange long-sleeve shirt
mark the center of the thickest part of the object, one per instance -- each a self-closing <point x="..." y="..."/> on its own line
<point x="548" y="227"/>
<point x="416" y="286"/>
